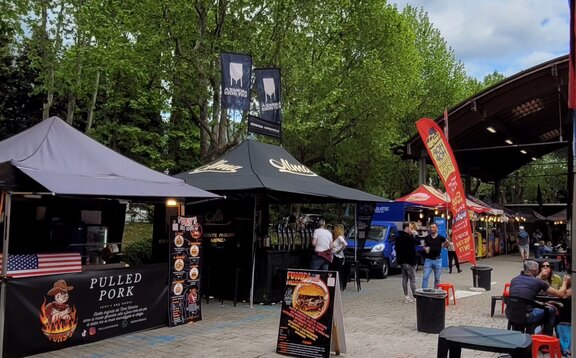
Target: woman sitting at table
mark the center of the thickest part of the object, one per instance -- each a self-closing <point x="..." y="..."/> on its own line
<point x="547" y="274"/>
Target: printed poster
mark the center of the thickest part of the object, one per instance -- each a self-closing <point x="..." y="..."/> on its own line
<point x="53" y="312"/>
<point x="306" y="320"/>
<point x="185" y="251"/>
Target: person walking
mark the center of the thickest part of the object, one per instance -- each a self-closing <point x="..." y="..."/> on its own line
<point x="322" y="240"/>
<point x="433" y="248"/>
<point x="406" y="243"/>
<point x="452" y="256"/>
<point x="523" y="243"/>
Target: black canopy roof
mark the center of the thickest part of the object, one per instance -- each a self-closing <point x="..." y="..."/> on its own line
<point x="259" y="167"/>
<point x="54" y="157"/>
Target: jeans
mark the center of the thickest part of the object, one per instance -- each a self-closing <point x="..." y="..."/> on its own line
<point x="430" y="265"/>
<point x="318" y="263"/>
<point x="408" y="273"/>
<point x="538" y="315"/>
<point x="452" y="257"/>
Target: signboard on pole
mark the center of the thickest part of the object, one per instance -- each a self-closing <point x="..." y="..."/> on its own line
<point x="236" y="81"/>
<point x="311" y="321"/>
<point x="443" y="158"/>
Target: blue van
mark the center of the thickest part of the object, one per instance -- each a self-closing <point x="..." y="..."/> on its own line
<point x="378" y="252"/>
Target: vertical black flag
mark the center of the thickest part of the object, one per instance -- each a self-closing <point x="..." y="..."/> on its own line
<point x="236" y="80"/>
<point x="268" y="88"/>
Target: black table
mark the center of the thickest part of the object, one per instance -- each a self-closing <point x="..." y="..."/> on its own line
<point x="553" y="255"/>
<point x="565" y="310"/>
<point x="453" y="339"/>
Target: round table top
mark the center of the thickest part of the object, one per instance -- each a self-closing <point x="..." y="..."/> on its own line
<point x="487" y="337"/>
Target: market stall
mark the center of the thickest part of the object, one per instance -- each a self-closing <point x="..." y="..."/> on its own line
<point x="251" y="176"/>
<point x="63" y="207"/>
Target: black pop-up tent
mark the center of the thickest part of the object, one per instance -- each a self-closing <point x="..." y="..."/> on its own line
<point x="271" y="170"/>
<point x="52" y="158"/>
<point x="269" y="174"/>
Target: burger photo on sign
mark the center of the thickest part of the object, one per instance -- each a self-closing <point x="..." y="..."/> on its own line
<point x="311" y="297"/>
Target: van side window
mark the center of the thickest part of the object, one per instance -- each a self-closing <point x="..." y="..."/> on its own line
<point x="392" y="234"/>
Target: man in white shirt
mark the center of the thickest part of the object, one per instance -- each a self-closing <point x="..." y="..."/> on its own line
<point x="322" y="254"/>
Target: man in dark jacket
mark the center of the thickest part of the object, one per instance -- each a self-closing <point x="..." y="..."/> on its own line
<point x="406" y="257"/>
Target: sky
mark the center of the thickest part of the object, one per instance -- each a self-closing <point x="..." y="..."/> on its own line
<point x="507" y="36"/>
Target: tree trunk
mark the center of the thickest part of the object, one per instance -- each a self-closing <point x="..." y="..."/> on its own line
<point x="93" y="103"/>
<point x="50" y="60"/>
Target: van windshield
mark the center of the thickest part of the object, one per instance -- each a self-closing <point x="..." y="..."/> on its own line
<point x="377" y="233"/>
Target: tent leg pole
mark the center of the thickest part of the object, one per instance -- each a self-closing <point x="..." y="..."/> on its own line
<point x="6" y="241"/>
<point x="356" y="234"/>
<point x="253" y="253"/>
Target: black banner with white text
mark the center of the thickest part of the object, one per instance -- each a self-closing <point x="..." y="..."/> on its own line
<point x="53" y="312"/>
<point x="269" y="97"/>
<point x="261" y="126"/>
<point x="236" y="81"/>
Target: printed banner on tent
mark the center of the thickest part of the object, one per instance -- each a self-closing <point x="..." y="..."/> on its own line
<point x="268" y="88"/>
<point x="236" y="80"/>
<point x="185" y="252"/>
<point x="443" y="158"/>
<point x="46" y="313"/>
<point x="261" y="126"/>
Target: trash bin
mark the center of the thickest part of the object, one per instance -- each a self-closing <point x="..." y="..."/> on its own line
<point x="430" y="310"/>
<point x="481" y="276"/>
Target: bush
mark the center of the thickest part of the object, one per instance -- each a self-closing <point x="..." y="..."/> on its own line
<point x="137" y="243"/>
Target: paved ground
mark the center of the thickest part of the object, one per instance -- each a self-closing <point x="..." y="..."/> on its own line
<point x="377" y="323"/>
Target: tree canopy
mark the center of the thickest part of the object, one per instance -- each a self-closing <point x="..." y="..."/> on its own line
<point x="143" y="77"/>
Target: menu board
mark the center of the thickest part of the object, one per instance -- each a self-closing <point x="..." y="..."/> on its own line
<point x="364" y="212"/>
<point x="185" y="252"/>
<point x="308" y="311"/>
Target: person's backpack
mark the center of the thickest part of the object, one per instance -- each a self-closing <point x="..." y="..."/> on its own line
<point x="564" y="334"/>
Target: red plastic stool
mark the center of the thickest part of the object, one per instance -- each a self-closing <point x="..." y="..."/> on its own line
<point x="505" y="293"/>
<point x="541" y="340"/>
<point x="447" y="287"/>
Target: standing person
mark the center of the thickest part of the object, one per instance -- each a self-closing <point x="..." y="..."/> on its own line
<point x="433" y="248"/>
<point x="523" y="243"/>
<point x="527" y="285"/>
<point x="338" y="246"/>
<point x="406" y="257"/>
<point x="322" y="239"/>
<point x="452" y="256"/>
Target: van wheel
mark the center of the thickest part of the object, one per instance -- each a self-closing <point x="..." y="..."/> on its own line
<point x="384" y="269"/>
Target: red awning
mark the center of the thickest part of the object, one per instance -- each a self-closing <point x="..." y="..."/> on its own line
<point x="426" y="196"/>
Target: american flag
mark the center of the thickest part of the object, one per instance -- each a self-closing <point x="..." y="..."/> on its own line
<point x="43" y="264"/>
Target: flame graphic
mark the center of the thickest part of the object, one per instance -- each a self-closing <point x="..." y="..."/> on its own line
<point x="60" y="330"/>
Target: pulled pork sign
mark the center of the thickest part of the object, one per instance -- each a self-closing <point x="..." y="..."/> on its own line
<point x="311" y="321"/>
<point x="54" y="312"/>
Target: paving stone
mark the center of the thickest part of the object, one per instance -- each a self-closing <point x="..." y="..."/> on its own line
<point x="377" y="323"/>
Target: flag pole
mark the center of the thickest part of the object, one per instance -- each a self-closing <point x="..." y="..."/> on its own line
<point x="6" y="241"/>
<point x="572" y="183"/>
